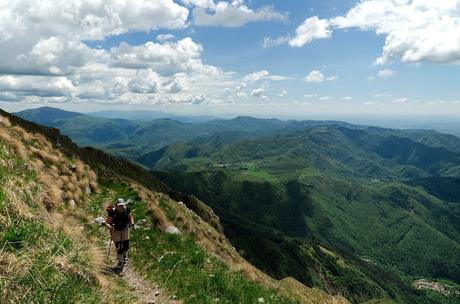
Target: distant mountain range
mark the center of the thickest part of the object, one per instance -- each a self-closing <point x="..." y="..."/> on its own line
<point x="150" y="115"/>
<point x="131" y="138"/>
<point x="386" y="201"/>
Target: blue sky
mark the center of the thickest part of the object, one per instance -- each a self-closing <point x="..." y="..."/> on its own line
<point x="290" y="58"/>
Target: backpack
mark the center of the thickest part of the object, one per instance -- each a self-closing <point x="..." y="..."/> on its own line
<point x="119" y="220"/>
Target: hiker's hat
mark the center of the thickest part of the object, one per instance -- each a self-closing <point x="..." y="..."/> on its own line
<point x="121" y="202"/>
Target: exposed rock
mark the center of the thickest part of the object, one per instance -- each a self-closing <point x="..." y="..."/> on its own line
<point x="72" y="203"/>
<point x="140" y="222"/>
<point x="99" y="220"/>
<point x="424" y="284"/>
<point x="88" y="190"/>
<point x="172" y="230"/>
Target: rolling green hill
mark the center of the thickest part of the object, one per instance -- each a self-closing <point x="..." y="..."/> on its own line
<point x="83" y="129"/>
<point x="47" y="115"/>
<point x="373" y="196"/>
<point x="132" y="138"/>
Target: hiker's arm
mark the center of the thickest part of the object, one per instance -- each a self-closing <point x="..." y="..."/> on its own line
<point x="108" y="222"/>
<point x="131" y="219"/>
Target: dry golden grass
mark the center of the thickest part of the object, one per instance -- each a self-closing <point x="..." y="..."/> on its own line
<point x="47" y="156"/>
<point x="68" y="195"/>
<point x="10" y="264"/>
<point x="71" y="186"/>
<point x="65" y="179"/>
<point x="53" y="189"/>
<point x="61" y="178"/>
<point x="42" y="141"/>
<point x="5" y="122"/>
<point x="21" y="133"/>
<point x="63" y="265"/>
<point x="17" y="193"/>
<point x="20" y="150"/>
<point x="158" y="214"/>
<point x="54" y="170"/>
<point x="93" y="181"/>
<point x="83" y="183"/>
<point x="77" y="195"/>
<point x="36" y="165"/>
<point x="80" y="169"/>
<point x="5" y="135"/>
<point x="309" y="295"/>
<point x="16" y="146"/>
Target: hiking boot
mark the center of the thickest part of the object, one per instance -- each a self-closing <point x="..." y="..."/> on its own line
<point x="120" y="265"/>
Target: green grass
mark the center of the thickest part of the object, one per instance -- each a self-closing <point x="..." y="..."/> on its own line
<point x="191" y="274"/>
<point x="170" y="213"/>
<point x="41" y="279"/>
<point x="257" y="175"/>
<point x="30" y="271"/>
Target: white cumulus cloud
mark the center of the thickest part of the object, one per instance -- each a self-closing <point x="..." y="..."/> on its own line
<point x="311" y="29"/>
<point x="315" y="76"/>
<point x="415" y="31"/>
<point x="386" y="73"/>
<point x="324" y="98"/>
<point x="283" y="93"/>
<point x="263" y="75"/>
<point x="233" y="13"/>
<point x="165" y="37"/>
<point x="258" y="92"/>
<point x="400" y="100"/>
<point x="46" y="54"/>
<point x="165" y="58"/>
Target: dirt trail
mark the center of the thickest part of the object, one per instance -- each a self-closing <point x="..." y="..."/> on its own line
<point x="143" y="292"/>
<point x="148" y="293"/>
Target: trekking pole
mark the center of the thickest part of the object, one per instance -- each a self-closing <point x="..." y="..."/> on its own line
<point x="108" y="252"/>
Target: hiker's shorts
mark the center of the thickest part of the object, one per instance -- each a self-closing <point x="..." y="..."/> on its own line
<point x="120" y="235"/>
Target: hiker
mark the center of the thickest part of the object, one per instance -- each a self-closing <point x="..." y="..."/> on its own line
<point x="119" y="221"/>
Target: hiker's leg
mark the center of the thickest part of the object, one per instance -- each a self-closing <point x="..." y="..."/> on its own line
<point x="125" y="245"/>
<point x="117" y="238"/>
<point x="125" y="250"/>
<point x="125" y="240"/>
<point x="119" y="246"/>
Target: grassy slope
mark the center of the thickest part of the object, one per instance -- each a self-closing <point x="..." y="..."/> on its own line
<point x="38" y="264"/>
